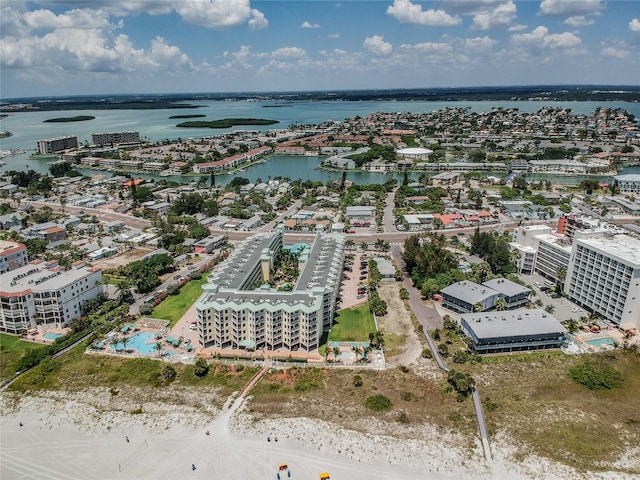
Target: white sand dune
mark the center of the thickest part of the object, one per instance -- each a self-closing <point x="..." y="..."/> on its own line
<point x="72" y="440"/>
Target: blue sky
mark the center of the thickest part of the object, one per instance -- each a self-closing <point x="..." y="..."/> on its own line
<point x="51" y="47"/>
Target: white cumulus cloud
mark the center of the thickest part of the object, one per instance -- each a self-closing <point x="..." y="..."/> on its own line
<point x="578" y="21"/>
<point x="306" y="24"/>
<point x="634" y="25"/>
<point x="615" y="52"/>
<point x="333" y="36"/>
<point x="220" y="13"/>
<point x="542" y="39"/>
<point x="557" y="8"/>
<point x="407" y="12"/>
<point x="480" y="43"/>
<point x="429" y="47"/>
<point x="377" y="45"/>
<point x="288" y="52"/>
<point x="47" y="20"/>
<point x="499" y="16"/>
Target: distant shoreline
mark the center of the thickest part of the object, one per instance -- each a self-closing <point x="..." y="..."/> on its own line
<point x="542" y="93"/>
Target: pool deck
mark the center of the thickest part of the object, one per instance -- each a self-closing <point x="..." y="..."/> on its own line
<point x="42" y="330"/>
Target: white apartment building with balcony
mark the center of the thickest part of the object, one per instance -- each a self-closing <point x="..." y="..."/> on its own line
<point x="604" y="277"/>
<point x="238" y="309"/>
<point x="45" y="293"/>
<point x="526" y="241"/>
<point x="553" y="254"/>
<point x="629" y="183"/>
<point x="55" y="145"/>
<point x="12" y="255"/>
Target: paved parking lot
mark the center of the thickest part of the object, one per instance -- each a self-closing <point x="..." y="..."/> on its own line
<point x="564" y="308"/>
<point x="349" y="289"/>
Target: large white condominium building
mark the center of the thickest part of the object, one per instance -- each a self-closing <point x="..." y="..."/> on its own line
<point x="629" y="183"/>
<point x="55" y="145"/>
<point x="12" y="255"/>
<point x="115" y="138"/>
<point x="45" y="293"/>
<point x="604" y="276"/>
<point x="239" y="309"/>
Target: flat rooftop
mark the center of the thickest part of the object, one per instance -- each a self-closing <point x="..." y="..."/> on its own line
<point x="512" y="323"/>
<point x="39" y="278"/>
<point x="471" y="292"/>
<point x="624" y="248"/>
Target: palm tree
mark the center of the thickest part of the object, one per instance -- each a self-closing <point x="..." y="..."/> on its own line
<point x="561" y="272"/>
<point x="349" y="244"/>
<point x="125" y="342"/>
<point x="477" y="307"/>
<point x="515" y="258"/>
<point x="336" y="353"/>
<point x="550" y="309"/>
<point x="572" y="325"/>
<point x="364" y="246"/>
<point x="379" y="339"/>
<point x="481" y="271"/>
<point x="379" y="245"/>
<point x="357" y="350"/>
<point x="159" y="348"/>
<point x="616" y="344"/>
<point x="501" y="304"/>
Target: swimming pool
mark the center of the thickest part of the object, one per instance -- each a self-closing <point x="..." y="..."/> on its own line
<point x="138" y="342"/>
<point x="597" y="342"/>
<point x="52" y="336"/>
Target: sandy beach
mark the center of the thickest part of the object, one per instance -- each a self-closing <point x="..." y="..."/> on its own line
<point x="63" y="438"/>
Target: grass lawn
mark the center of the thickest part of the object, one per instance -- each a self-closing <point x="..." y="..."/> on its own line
<point x="174" y="306"/>
<point x="353" y="325"/>
<point x="11" y="350"/>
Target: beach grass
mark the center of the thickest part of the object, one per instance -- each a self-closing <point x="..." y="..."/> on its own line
<point x="174" y="307"/>
<point x="12" y="349"/>
<point x="353" y="325"/>
<point x="76" y="370"/>
<point x="531" y="398"/>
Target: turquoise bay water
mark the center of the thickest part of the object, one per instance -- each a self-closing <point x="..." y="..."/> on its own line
<point x="154" y="125"/>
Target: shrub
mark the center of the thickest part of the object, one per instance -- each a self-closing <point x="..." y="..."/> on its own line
<point x="201" y="367"/>
<point x="427" y="353"/>
<point x="403" y="418"/>
<point x="443" y="349"/>
<point x="169" y="373"/>
<point x="596" y="376"/>
<point x="460" y="357"/>
<point x="146" y="309"/>
<point x="357" y="381"/>
<point x="378" y="403"/>
<point x="461" y="382"/>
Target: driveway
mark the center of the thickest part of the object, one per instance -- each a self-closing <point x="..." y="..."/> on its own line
<point x="427" y="315"/>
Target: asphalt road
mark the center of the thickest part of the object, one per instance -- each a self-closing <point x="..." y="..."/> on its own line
<point x="103" y="215"/>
